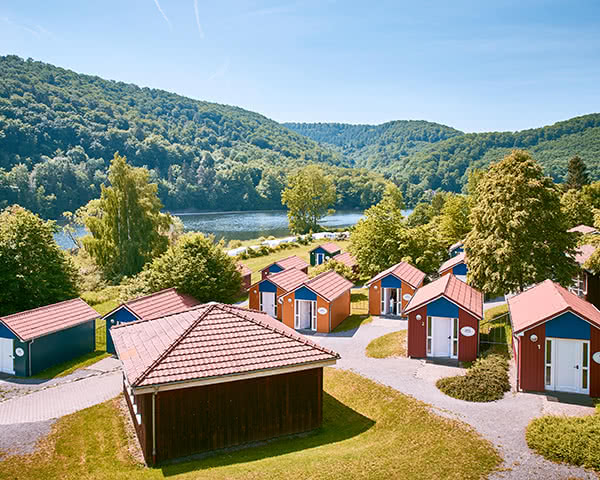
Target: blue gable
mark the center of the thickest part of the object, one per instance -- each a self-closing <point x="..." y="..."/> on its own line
<point x="460" y="269"/>
<point x="391" y="282"/>
<point x="6" y="333"/>
<point x="568" y="325"/>
<point x="266" y="286"/>
<point x="304" y="293"/>
<point x="274" y="269"/>
<point x="442" y="308"/>
<point x="121" y="315"/>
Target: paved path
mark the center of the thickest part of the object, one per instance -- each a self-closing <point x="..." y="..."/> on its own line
<point x="502" y="422"/>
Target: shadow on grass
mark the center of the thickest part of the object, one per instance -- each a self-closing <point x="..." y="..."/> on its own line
<point x="340" y="423"/>
<point x="349" y="326"/>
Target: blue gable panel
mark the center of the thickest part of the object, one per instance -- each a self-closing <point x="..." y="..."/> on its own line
<point x="275" y="269"/>
<point x="122" y="315"/>
<point x="458" y="250"/>
<point x="320" y="250"/>
<point x="568" y="325"/>
<point x="266" y="286"/>
<point x="304" y="293"/>
<point x="460" y="269"/>
<point x="391" y="282"/>
<point x="5" y="332"/>
<point x="442" y="308"/>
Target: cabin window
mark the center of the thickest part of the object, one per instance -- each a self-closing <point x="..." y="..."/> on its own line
<point x="548" y="375"/>
<point x="579" y="285"/>
<point x="429" y="335"/>
<point x="455" y="337"/>
<point x="585" y="366"/>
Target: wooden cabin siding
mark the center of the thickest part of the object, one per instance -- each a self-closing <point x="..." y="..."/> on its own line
<point x="280" y="293"/>
<point x="254" y="298"/>
<point x="323" y="318"/>
<point x="593" y="289"/>
<point x="594" y="367"/>
<point x="406" y="288"/>
<point x="143" y="429"/>
<point x="375" y="298"/>
<point x="532" y="362"/>
<point x="467" y="346"/>
<point x="340" y="309"/>
<point x="417" y="333"/>
<point x="288" y="310"/>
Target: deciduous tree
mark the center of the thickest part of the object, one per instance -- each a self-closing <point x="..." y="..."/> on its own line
<point x="454" y="221"/>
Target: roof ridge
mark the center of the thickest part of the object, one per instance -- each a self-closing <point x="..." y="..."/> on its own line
<point x="143" y="297"/>
<point x="46" y="306"/>
<point x="170" y="348"/>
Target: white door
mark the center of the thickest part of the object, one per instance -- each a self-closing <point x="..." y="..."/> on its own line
<point x="571" y="365"/>
<point x="267" y="303"/>
<point x="442" y="336"/>
<point x="6" y="356"/>
<point x="319" y="258"/>
<point x="306" y="315"/>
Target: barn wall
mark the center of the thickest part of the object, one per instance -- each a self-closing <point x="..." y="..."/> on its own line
<point x="417" y="333"/>
<point x="211" y="417"/>
<point x="253" y="297"/>
<point x="594" y="367"/>
<point x="322" y="318"/>
<point x="467" y="346"/>
<point x="340" y="309"/>
<point x="122" y="315"/>
<point x="375" y="298"/>
<point x="288" y="310"/>
<point x="531" y="360"/>
<point x="143" y="429"/>
<point x="406" y="288"/>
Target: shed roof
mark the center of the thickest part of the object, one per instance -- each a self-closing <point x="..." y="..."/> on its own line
<point x="158" y="304"/>
<point x="456" y="246"/>
<point x="210" y="341"/>
<point x="288" y="279"/>
<point x="329" y="285"/>
<point x="346" y="258"/>
<point x="583" y="253"/>
<point x="329" y="247"/>
<point x="404" y="271"/>
<point x="43" y="321"/>
<point x="453" y="262"/>
<point x="584" y="229"/>
<point x="455" y="290"/>
<point x="545" y="301"/>
<point x="289" y="262"/>
<point x="243" y="269"/>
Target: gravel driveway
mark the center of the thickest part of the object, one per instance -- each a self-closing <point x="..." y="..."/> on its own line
<point x="502" y="422"/>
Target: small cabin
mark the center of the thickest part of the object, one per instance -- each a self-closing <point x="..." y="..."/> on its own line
<point x="456" y="266"/>
<point x="284" y="264"/>
<point x="443" y="320"/>
<point x="584" y="229"/>
<point x="266" y="294"/>
<point x="456" y="248"/>
<point x="154" y="305"/>
<point x="347" y="259"/>
<point x="556" y="340"/>
<point x="323" y="253"/>
<point x="586" y="284"/>
<point x="246" y="274"/>
<point x="391" y="290"/>
<point x="238" y="384"/>
<point x="34" y="340"/>
<point x="319" y="304"/>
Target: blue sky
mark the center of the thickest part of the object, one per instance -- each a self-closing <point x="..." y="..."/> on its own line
<point x="473" y="65"/>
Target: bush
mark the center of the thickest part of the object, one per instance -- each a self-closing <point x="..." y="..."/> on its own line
<point x="100" y="296"/>
<point x="235" y="244"/>
<point x="485" y="381"/>
<point x="344" y="270"/>
<point x="567" y="439"/>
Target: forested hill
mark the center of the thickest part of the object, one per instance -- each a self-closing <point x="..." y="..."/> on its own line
<point x="59" y="130"/>
<point x="423" y="156"/>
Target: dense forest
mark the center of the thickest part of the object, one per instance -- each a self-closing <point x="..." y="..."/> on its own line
<point x="60" y="129"/>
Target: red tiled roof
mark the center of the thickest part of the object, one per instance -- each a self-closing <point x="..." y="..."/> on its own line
<point x="346" y="258"/>
<point x="454" y="290"/>
<point x="329" y="247"/>
<point x="329" y="285"/>
<point x="583" y="229"/>
<point x="42" y="321"/>
<point x="405" y="272"/>
<point x="243" y="269"/>
<point x="288" y="279"/>
<point x="453" y="262"/>
<point x="583" y="253"/>
<point x="545" y="301"/>
<point x="289" y="262"/>
<point x="212" y="340"/>
<point x="159" y="304"/>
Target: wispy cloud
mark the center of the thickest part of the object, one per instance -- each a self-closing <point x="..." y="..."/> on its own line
<point x="163" y="14"/>
<point x="200" y="31"/>
<point x="221" y="71"/>
<point x="35" y="30"/>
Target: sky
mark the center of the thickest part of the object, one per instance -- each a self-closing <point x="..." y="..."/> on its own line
<point x="473" y="65"/>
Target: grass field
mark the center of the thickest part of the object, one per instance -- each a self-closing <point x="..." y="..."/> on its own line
<point x="369" y="431"/>
<point x="359" y="311"/>
<point x="389" y="345"/>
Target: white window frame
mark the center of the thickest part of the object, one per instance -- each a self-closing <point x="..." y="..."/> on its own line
<point x="429" y="335"/>
<point x="321" y="257"/>
<point x="313" y="314"/>
<point x="454" y="337"/>
<point x="582" y="369"/>
<point x="260" y="302"/>
<point x="549" y="364"/>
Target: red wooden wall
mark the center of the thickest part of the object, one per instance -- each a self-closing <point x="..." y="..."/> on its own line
<point x="467" y="346"/>
<point x="375" y="298"/>
<point x="532" y="360"/>
<point x="340" y="309"/>
<point x="417" y="333"/>
<point x="594" y="367"/>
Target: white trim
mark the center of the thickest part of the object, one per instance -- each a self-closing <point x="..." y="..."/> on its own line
<point x="233" y="378"/>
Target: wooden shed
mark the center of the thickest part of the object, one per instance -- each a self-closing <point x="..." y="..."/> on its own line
<point x="456" y="265"/>
<point x="266" y="294"/>
<point x="319" y="304"/>
<point x="218" y="376"/>
<point x="284" y="264"/>
<point x="391" y="290"/>
<point x="347" y="259"/>
<point x="556" y="340"/>
<point x="324" y="252"/>
<point x="143" y="308"/>
<point x="246" y="274"/>
<point x="456" y="248"/>
<point x="586" y="284"/>
<point x="443" y="320"/>
<point x="37" y="339"/>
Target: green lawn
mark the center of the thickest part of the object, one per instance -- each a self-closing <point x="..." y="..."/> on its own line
<point x="359" y="311"/>
<point x="66" y="368"/>
<point x="496" y="328"/>
<point x="369" y="431"/>
<point x="389" y="345"/>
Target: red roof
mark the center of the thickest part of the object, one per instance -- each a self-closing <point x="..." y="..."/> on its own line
<point x="456" y="246"/>
<point x="288" y="279"/>
<point x="450" y="287"/>
<point x="159" y="304"/>
<point x="545" y="301"/>
<point x="584" y="229"/>
<point x="583" y="253"/>
<point x="346" y="258"/>
<point x="243" y="269"/>
<point x="453" y="262"/>
<point x="329" y="247"/>
<point x="404" y="271"/>
<point x="329" y="285"/>
<point x="42" y="321"/>
<point x="212" y="340"/>
<point x="289" y="262"/>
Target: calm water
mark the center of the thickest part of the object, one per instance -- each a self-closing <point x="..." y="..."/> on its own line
<point x="242" y="225"/>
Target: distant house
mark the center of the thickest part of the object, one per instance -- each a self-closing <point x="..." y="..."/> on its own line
<point x="586" y="284"/>
<point x="217" y="376"/>
<point x="320" y="304"/>
<point x="324" y="252"/>
<point x="456" y="266"/>
<point x="584" y="229"/>
<point x="456" y="248"/>
<point x="391" y="290"/>
<point x="34" y="340"/>
<point x="348" y="260"/>
<point x="246" y="274"/>
<point x="266" y="294"/>
<point x="155" y="305"/>
<point x="443" y="320"/>
<point x="285" y="264"/>
<point x="556" y="340"/>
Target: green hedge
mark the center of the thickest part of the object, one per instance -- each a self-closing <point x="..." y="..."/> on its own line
<point x="485" y="381"/>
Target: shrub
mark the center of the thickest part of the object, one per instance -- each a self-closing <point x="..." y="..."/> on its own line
<point x="235" y="243"/>
<point x="567" y="439"/>
<point x="344" y="270"/>
<point x="100" y="296"/>
<point x="485" y="381"/>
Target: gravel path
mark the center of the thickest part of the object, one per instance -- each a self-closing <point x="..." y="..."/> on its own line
<point x="502" y="422"/>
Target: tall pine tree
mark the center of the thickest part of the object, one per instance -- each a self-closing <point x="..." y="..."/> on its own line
<point x="577" y="175"/>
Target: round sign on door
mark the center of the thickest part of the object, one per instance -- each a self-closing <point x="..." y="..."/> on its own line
<point x="467" y="331"/>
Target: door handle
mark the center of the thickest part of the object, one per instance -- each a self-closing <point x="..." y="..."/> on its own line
<point x="577" y="367"/>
